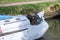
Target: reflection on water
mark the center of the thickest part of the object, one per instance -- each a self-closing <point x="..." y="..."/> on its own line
<point x="54" y="31"/>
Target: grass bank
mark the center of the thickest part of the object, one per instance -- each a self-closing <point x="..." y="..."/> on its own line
<point x="25" y="9"/>
<point x="11" y="1"/>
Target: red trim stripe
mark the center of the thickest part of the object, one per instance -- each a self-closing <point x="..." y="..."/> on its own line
<point x="0" y="31"/>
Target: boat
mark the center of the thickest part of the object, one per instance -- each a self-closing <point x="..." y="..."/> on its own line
<point x="23" y="27"/>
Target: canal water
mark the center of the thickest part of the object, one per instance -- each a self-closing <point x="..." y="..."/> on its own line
<point x="53" y="32"/>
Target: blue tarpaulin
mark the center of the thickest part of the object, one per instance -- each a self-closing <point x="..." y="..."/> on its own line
<point x="2" y="17"/>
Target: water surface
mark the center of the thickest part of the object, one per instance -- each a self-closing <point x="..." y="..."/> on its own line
<point x="54" y="29"/>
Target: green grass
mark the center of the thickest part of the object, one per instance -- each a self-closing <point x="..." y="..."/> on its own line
<point x="25" y="9"/>
<point x="10" y="1"/>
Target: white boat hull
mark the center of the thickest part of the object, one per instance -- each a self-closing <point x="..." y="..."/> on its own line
<point x="33" y="31"/>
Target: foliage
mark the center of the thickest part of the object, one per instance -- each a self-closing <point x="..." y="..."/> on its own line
<point x="25" y="9"/>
